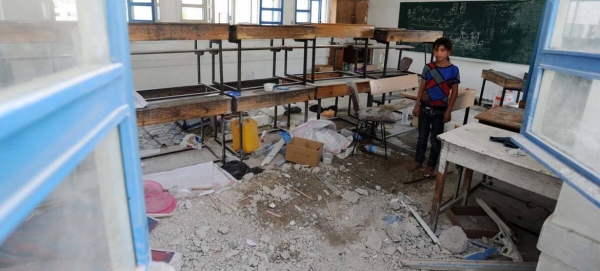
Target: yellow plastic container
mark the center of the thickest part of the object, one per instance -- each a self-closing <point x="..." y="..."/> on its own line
<point x="250" y="138"/>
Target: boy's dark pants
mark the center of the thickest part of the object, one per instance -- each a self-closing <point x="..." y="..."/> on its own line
<point x="430" y="122"/>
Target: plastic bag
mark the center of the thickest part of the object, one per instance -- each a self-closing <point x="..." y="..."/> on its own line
<point x="323" y="131"/>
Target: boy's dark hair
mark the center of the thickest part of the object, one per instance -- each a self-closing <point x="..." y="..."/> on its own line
<point x="443" y="41"/>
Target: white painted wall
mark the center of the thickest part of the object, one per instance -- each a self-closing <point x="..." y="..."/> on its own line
<point x="169" y="70"/>
<point x="384" y="13"/>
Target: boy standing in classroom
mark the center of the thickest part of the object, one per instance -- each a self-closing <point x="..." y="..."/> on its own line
<point x="436" y="98"/>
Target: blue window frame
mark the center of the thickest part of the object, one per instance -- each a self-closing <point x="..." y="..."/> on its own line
<point x="270" y="12"/>
<point x="141" y="11"/>
<point x="77" y="111"/>
<point x="309" y="11"/>
<point x="561" y="126"/>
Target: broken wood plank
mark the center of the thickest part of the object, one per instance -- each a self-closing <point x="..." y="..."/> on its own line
<point x="256" y="99"/>
<point x="402" y="35"/>
<point x="423" y="224"/>
<point x="162" y="111"/>
<point x="503" y="79"/>
<point x="344" y="30"/>
<point x="505" y="117"/>
<point x="215" y="202"/>
<point x="245" y="32"/>
<point x="177" y="31"/>
<point x="447" y="264"/>
<point x="274" y="214"/>
<point x="301" y="193"/>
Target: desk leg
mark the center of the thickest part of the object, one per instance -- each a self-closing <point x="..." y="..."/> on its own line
<point x="439" y="190"/>
<point x="336" y="107"/>
<point x="289" y="116"/>
<point x="481" y="94"/>
<point x="318" y="109"/>
<point x="518" y="95"/>
<point x="466" y="115"/>
<point x="502" y="98"/>
<point x="306" y="111"/>
<point x="466" y="186"/>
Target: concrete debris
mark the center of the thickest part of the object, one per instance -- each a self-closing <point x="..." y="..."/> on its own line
<point x="217" y="249"/>
<point x="436" y="248"/>
<point x="485" y="240"/>
<point x="224" y="230"/>
<point x="256" y="197"/>
<point x="285" y="197"/>
<point x="251" y="243"/>
<point x="373" y="241"/>
<point x="202" y="232"/>
<point x="262" y="267"/>
<point x="277" y="192"/>
<point x="395" y="200"/>
<point x="401" y="250"/>
<point x="319" y="197"/>
<point x="454" y="240"/>
<point x="188" y="204"/>
<point x="316" y="170"/>
<point x="287" y="175"/>
<point x="411" y="229"/>
<point x="361" y="191"/>
<point x="292" y="223"/>
<point x="342" y="168"/>
<point x="232" y="253"/>
<point x="272" y="205"/>
<point x="394" y="231"/>
<point x="351" y="196"/>
<point x="248" y="176"/>
<point x="378" y="188"/>
<point x="253" y="261"/>
<point x="389" y="250"/>
<point x="395" y="205"/>
<point x="356" y="246"/>
<point x="285" y="254"/>
<point x="265" y="239"/>
<point x="204" y="248"/>
<point x="297" y="167"/>
<point x="286" y="167"/>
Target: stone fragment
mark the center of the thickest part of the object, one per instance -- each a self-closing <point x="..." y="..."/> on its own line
<point x="373" y="241"/>
<point x="253" y="261"/>
<point x="316" y="170"/>
<point x="378" y="188"/>
<point x="277" y="192"/>
<point x="411" y="229"/>
<point x="361" y="191"/>
<point x="285" y="254"/>
<point x="285" y="197"/>
<point x="248" y="176"/>
<point x="272" y="205"/>
<point x="394" y="231"/>
<point x="401" y="250"/>
<point x="256" y="197"/>
<point x="202" y="232"/>
<point x="389" y="250"/>
<point x="265" y="239"/>
<point x="319" y="197"/>
<point x="292" y="223"/>
<point x="395" y="205"/>
<point x="454" y="240"/>
<point x="262" y="267"/>
<point x="350" y="196"/>
<point x="224" y="230"/>
<point x="232" y="253"/>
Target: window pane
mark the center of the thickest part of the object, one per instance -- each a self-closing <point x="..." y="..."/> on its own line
<point x="271" y="16"/>
<point x="566" y="116"/>
<point x="142" y="13"/>
<point x="303" y="4"/>
<point x="192" y="13"/>
<point x="271" y="3"/>
<point x="302" y="17"/>
<point x="246" y="11"/>
<point x="577" y="26"/>
<point x="82" y="225"/>
<point x="45" y="47"/>
<point x="314" y="12"/>
<point x="192" y="2"/>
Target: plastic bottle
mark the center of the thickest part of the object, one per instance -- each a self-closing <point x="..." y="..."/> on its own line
<point x="376" y="150"/>
<point x="381" y="60"/>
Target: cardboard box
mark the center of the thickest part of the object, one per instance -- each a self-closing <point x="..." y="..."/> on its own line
<point x="323" y="68"/>
<point x="303" y="151"/>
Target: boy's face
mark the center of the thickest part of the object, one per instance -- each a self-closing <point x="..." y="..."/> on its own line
<point x="441" y="53"/>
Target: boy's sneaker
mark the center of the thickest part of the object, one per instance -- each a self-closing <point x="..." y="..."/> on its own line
<point x="429" y="171"/>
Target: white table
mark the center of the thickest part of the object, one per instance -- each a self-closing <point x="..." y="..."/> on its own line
<point x="469" y="146"/>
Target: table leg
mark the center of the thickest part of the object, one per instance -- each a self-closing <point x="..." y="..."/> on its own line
<point x="466" y="115"/>
<point x="318" y="109"/>
<point x="306" y="111"/>
<point x="336" y="106"/>
<point x="439" y="191"/>
<point x="466" y="186"/>
<point x="289" y="116"/>
<point x="481" y="94"/>
<point x="502" y="98"/>
<point x="518" y="95"/>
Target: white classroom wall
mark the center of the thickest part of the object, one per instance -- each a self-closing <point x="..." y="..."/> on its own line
<point x="384" y="13"/>
<point x="170" y="70"/>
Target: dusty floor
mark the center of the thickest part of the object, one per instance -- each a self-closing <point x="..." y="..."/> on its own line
<point x="270" y="223"/>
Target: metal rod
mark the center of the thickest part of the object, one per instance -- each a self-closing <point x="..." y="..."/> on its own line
<point x="220" y="65"/>
<point x="481" y="94"/>
<point x="305" y="62"/>
<point x="366" y="58"/>
<point x="212" y="57"/>
<point x="274" y="61"/>
<point x="285" y="61"/>
<point x="239" y="67"/>
<point x="314" y="50"/>
<point x="198" y="62"/>
<point x="447" y="264"/>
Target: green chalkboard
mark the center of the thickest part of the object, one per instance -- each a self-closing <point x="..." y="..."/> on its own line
<point x="494" y="30"/>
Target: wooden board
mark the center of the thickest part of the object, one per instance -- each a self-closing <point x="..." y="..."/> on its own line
<point x="177" y="31"/>
<point x="504" y="80"/>
<point x="183" y="108"/>
<point x="403" y="35"/>
<point x="245" y="32"/>
<point x="466" y="97"/>
<point x="256" y="99"/>
<point x="344" y="30"/>
<point x="37" y="31"/>
<point x="391" y="84"/>
<point x="505" y="117"/>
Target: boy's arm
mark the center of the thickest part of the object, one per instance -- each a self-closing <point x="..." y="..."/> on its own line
<point x="452" y="101"/>
<point x="417" y="107"/>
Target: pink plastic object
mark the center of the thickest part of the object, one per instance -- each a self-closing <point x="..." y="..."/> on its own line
<point x="158" y="201"/>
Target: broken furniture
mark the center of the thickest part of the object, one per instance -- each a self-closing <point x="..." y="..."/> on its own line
<point x="504" y="117"/>
<point x="465" y="99"/>
<point x="188" y="102"/>
<point x="469" y="146"/>
<point x="506" y="81"/>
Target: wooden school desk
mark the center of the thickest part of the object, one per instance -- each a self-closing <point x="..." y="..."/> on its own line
<point x="469" y="146"/>
<point x="505" y="117"/>
<point x="506" y="81"/>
